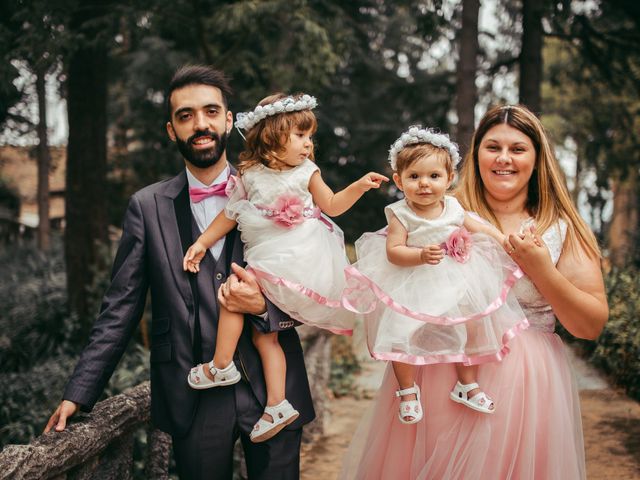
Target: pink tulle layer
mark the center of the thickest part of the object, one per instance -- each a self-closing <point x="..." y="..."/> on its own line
<point x="535" y="432"/>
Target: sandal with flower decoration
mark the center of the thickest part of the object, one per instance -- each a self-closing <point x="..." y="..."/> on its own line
<point x="281" y="415"/>
<point x="221" y="376"/>
<point x="480" y="402"/>
<point x="410" y="408"/>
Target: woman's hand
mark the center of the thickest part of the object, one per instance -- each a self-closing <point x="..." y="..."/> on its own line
<point x="529" y="251"/>
<point x="574" y="288"/>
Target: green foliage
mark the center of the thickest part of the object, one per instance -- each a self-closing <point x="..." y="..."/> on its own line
<point x="591" y="97"/>
<point x="617" y="350"/>
<point x="344" y="366"/>
<point x="40" y="342"/>
<point x="363" y="60"/>
<point x="34" y="318"/>
<point x="9" y="199"/>
<point x="28" y="398"/>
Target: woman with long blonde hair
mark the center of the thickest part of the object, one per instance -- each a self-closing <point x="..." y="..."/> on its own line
<point x="511" y="179"/>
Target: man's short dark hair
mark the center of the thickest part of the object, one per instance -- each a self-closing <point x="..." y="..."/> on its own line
<point x="198" y="75"/>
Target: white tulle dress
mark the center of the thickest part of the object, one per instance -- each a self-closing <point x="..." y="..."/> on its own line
<point x="459" y="310"/>
<point x="296" y="253"/>
<point x="535" y="432"/>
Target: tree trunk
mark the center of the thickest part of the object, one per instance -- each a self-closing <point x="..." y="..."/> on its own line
<point x="531" y="54"/>
<point x="466" y="90"/>
<point x="624" y="221"/>
<point x="44" y="163"/>
<point x="86" y="203"/>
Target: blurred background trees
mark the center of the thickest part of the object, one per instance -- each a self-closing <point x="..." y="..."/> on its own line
<point x="375" y="66"/>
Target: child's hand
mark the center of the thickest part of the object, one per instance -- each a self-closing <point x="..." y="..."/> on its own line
<point x="370" y="180"/>
<point x="431" y="254"/>
<point x="193" y="257"/>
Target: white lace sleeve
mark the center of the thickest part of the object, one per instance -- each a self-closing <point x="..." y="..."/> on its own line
<point x="554" y="238"/>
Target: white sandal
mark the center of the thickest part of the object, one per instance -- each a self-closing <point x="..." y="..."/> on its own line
<point x="410" y="408"/>
<point x="221" y="376"/>
<point x="479" y="402"/>
<point x="282" y="415"/>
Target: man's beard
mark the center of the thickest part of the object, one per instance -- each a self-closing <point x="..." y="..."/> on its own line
<point x="203" y="158"/>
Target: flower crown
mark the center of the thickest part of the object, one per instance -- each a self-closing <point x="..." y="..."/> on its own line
<point x="416" y="134"/>
<point x="247" y="120"/>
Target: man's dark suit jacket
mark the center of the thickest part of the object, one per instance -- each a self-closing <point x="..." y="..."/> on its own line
<point x="150" y="256"/>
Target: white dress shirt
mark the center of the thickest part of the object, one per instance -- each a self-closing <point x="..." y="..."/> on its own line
<point x="205" y="211"/>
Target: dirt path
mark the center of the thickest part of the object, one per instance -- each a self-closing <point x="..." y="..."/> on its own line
<point x="611" y="423"/>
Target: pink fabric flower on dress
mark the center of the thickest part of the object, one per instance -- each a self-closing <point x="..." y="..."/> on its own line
<point x="458" y="245"/>
<point x="288" y="210"/>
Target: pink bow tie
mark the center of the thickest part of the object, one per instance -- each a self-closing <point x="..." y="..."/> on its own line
<point x="198" y="194"/>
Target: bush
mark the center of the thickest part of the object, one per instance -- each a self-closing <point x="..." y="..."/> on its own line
<point x="34" y="320"/>
<point x="40" y="342"/>
<point x="29" y="398"/>
<point x="617" y="351"/>
<point x="344" y="366"/>
<point x="9" y="198"/>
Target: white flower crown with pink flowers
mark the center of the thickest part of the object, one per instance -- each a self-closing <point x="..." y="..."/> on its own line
<point x="247" y="120"/>
<point x="417" y="134"/>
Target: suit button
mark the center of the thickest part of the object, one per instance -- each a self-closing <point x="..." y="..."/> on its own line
<point x="219" y="276"/>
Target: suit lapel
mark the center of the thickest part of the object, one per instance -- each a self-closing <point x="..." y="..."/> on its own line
<point x="173" y="210"/>
<point x="175" y="221"/>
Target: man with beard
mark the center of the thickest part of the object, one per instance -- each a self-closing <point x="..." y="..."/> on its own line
<point x="160" y="223"/>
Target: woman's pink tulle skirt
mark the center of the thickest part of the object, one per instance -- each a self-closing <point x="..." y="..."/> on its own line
<point x="535" y="432"/>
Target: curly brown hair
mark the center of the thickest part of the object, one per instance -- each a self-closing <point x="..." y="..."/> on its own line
<point x="266" y="142"/>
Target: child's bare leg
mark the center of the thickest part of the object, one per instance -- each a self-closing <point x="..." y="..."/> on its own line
<point x="468" y="374"/>
<point x="229" y="330"/>
<point x="406" y="375"/>
<point x="274" y="366"/>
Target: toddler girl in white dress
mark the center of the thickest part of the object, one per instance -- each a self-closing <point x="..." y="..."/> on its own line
<point x="296" y="253"/>
<point x="434" y="287"/>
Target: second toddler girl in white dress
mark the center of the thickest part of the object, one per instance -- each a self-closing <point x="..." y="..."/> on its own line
<point x="435" y="287"/>
<point x="296" y="254"/>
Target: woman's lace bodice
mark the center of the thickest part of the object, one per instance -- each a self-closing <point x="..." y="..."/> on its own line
<point x="537" y="309"/>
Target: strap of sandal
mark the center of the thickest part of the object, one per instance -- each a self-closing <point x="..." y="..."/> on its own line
<point x="407" y="391"/>
<point x="212" y="368"/>
<point x="482" y="400"/>
<point x="466" y="388"/>
<point x="278" y="411"/>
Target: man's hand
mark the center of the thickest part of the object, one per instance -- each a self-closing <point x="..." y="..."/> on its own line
<point x="65" y="410"/>
<point x="241" y="293"/>
<point x="431" y="254"/>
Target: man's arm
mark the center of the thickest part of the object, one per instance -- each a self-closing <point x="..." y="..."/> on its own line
<point x="121" y="310"/>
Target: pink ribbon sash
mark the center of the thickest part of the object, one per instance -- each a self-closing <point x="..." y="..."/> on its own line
<point x="352" y="273"/>
<point x="313" y="295"/>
